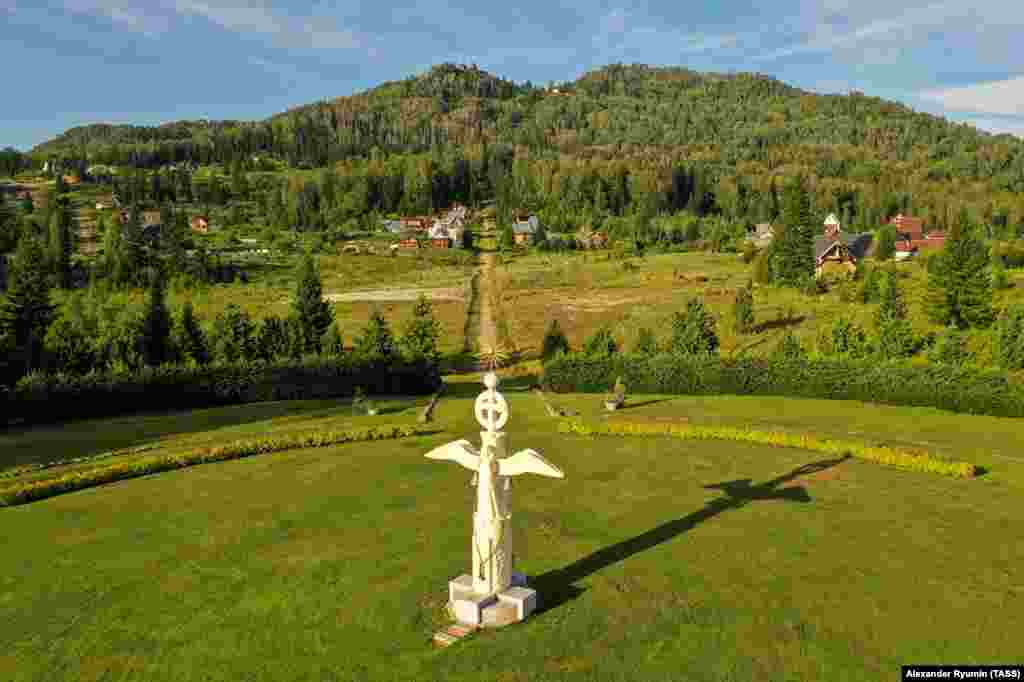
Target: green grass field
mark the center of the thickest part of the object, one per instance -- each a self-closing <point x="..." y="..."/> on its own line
<point x="656" y="558"/>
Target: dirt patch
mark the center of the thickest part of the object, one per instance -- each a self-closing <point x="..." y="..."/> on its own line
<point x="449" y="294"/>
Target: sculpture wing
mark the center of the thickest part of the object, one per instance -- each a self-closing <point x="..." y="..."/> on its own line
<point x="459" y="451"/>
<point x="528" y="462"/>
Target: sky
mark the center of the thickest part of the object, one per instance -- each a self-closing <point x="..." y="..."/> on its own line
<point x="147" y="62"/>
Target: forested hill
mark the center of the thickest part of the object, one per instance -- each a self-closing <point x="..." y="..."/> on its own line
<point x="736" y="123"/>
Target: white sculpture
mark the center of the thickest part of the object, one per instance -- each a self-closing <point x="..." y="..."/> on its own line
<point x="492" y="580"/>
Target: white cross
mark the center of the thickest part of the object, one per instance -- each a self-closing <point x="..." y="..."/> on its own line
<point x="492" y="567"/>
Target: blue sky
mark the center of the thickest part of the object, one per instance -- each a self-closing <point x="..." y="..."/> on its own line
<point x="152" y="61"/>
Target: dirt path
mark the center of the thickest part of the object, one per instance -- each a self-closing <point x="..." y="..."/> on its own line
<point x="488" y="330"/>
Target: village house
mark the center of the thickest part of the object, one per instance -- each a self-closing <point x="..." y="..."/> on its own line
<point x="525" y="231"/>
<point x="408" y="240"/>
<point x="836" y="250"/>
<point x="421" y="223"/>
<point x="589" y="239"/>
<point x="200" y="224"/>
<point x="913" y="228"/>
<point x="440" y="236"/>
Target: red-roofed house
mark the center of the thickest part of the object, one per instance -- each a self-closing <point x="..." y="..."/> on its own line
<point x="914" y="227"/>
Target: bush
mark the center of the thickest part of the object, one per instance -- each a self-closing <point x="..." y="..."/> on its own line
<point x="646" y="343"/>
<point x="554" y="341"/>
<point x="693" y="332"/>
<point x="950" y="348"/>
<point x="743" y="308"/>
<point x="905" y="459"/>
<point x="1010" y="338"/>
<point x="957" y="389"/>
<point x="789" y="348"/>
<point x="601" y="343"/>
<point x="1000" y="280"/>
<point x="40" y="398"/>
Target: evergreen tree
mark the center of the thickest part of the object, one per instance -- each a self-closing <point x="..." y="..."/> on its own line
<point x="743" y="308"/>
<point x="272" y="340"/>
<point x="959" y="288"/>
<point x="693" y="332"/>
<point x="188" y="337"/>
<point x="155" y="332"/>
<point x="886" y="243"/>
<point x="233" y="337"/>
<point x="793" y="248"/>
<point x="1010" y="338"/>
<point x="646" y="343"/>
<point x="70" y="341"/>
<point x="375" y="342"/>
<point x="59" y="256"/>
<point x="950" y="348"/>
<point x="422" y="334"/>
<point x="25" y="309"/>
<point x="332" y="343"/>
<point x="789" y="348"/>
<point x="131" y="258"/>
<point x="601" y="344"/>
<point x="891" y="306"/>
<point x="313" y="313"/>
<point x="554" y="341"/>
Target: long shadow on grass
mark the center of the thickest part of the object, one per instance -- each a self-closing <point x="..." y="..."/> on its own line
<point x="558" y="586"/>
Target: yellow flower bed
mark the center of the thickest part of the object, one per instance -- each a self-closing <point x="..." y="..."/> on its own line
<point x="905" y="459"/>
<point x="41" y="489"/>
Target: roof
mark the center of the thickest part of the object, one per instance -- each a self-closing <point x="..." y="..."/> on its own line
<point x="831" y="219"/>
<point x="528" y="226"/>
<point x="857" y="244"/>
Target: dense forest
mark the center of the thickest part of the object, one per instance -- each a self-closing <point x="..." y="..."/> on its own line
<point x="459" y="133"/>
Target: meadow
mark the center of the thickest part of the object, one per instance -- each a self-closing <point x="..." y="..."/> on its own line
<point x="656" y="558"/>
<point x="588" y="290"/>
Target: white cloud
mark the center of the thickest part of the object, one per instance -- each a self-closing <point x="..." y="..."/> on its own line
<point x="998" y="126"/>
<point x="1004" y="97"/>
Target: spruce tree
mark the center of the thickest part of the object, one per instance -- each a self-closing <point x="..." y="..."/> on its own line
<point x="332" y="343"/>
<point x="272" y="339"/>
<point x="375" y="342"/>
<point x="25" y="309"/>
<point x="793" y="249"/>
<point x="554" y="341"/>
<point x="743" y="308"/>
<point x="155" y="332"/>
<point x="422" y="334"/>
<point x="959" y="287"/>
<point x="693" y="332"/>
<point x="1010" y="338"/>
<point x="59" y="256"/>
<point x="233" y="338"/>
<point x="188" y="338"/>
<point x="313" y="313"/>
<point x="891" y="305"/>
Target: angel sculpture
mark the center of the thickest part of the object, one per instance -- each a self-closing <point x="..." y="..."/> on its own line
<point x="492" y="564"/>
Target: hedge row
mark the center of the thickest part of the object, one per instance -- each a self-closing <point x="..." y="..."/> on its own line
<point x="905" y="459"/>
<point x="41" y="489"/>
<point x="41" y="398"/>
<point x="958" y="389"/>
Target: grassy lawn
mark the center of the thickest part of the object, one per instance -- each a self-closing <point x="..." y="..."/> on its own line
<point x="657" y="558"/>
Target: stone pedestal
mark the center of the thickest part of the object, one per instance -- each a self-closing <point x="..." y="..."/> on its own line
<point x="491" y="611"/>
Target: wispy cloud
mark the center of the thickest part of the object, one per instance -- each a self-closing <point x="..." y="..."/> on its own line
<point x="1005" y="97"/>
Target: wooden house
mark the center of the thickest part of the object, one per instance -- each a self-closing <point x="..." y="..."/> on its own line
<point x="525" y="231"/>
<point x="912" y="227"/>
<point x="836" y="250"/>
<point x="421" y="223"/>
<point x="200" y="224"/>
<point x="407" y="240"/>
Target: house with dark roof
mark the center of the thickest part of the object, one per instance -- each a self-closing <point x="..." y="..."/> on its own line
<point x="525" y="231"/>
<point x="837" y="249"/>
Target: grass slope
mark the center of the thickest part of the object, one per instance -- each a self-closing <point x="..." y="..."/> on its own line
<point x="658" y="559"/>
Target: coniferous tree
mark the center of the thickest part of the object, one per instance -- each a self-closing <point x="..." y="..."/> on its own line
<point x="601" y="344"/>
<point x="233" y="337"/>
<point x="60" y="244"/>
<point x="693" y="332"/>
<point x="375" y="342"/>
<point x="1010" y="338"/>
<point x="959" y="288"/>
<point x="422" y="334"/>
<point x="188" y="338"/>
<point x="646" y="342"/>
<point x="789" y="348"/>
<point x="332" y="343"/>
<point x="891" y="305"/>
<point x="272" y="339"/>
<point x="155" y="331"/>
<point x="743" y="308"/>
<point x="25" y="309"/>
<point x="793" y="249"/>
<point x="554" y="341"/>
<point x="313" y="313"/>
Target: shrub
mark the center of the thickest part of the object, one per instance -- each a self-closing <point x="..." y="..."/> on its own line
<point x="646" y="343"/>
<point x="1010" y="338"/>
<point x="950" y="348"/>
<point x="957" y="389"/>
<point x="601" y="343"/>
<point x="896" y="340"/>
<point x="693" y="332"/>
<point x="1000" y="280"/>
<point x="743" y="308"/>
<point x="906" y="459"/>
<point x="847" y="338"/>
<point x="789" y="348"/>
<point x="41" y="398"/>
<point x="554" y="341"/>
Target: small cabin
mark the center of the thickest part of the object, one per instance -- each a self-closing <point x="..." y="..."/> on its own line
<point x="200" y="224"/>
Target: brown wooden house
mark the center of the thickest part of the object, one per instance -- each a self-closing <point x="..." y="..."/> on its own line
<point x="200" y="224"/>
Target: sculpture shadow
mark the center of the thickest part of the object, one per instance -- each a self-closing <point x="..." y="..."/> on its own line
<point x="629" y="405"/>
<point x="558" y="586"/>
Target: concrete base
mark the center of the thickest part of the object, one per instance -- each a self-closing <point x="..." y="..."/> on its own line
<point x="496" y="610"/>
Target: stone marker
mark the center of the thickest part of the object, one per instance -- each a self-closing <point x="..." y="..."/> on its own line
<point x="494" y="595"/>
